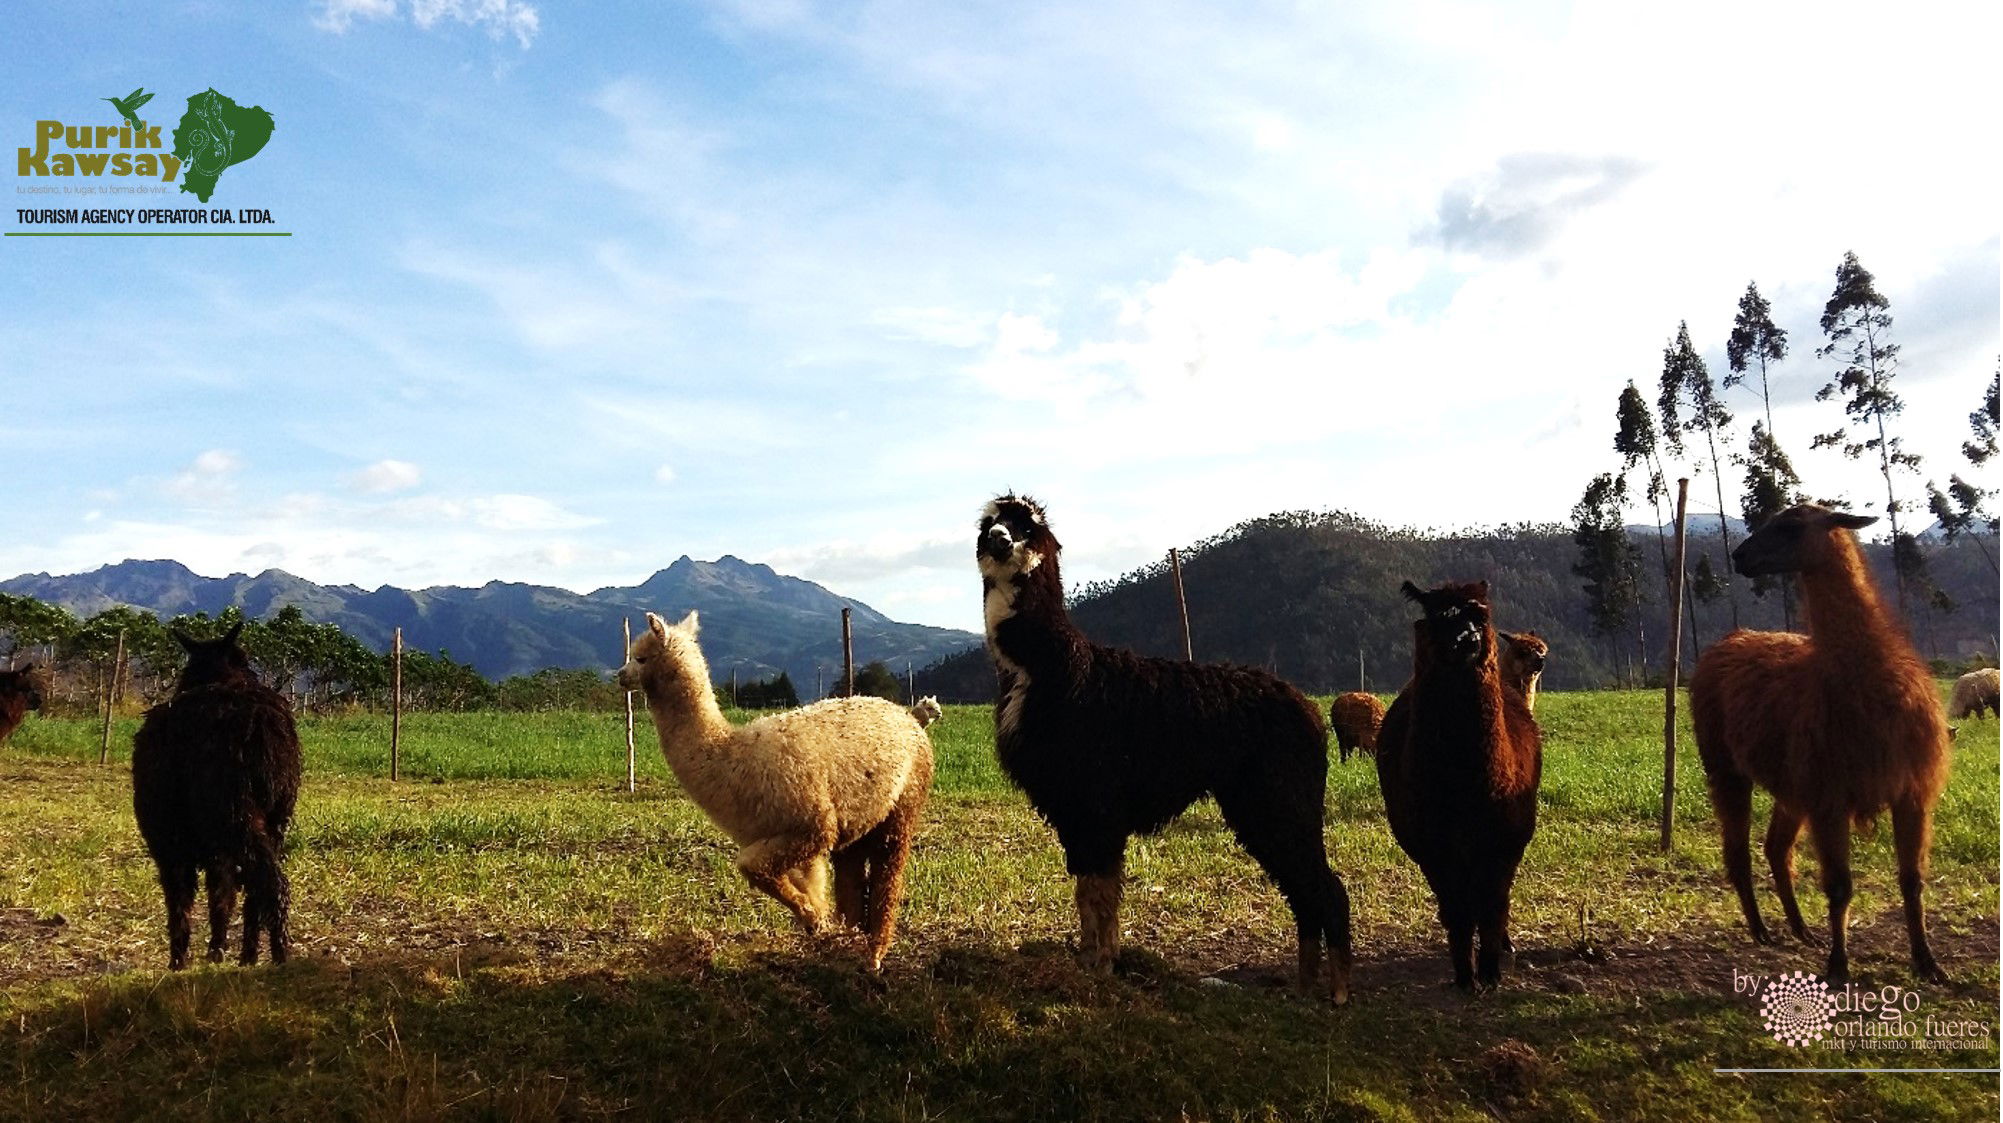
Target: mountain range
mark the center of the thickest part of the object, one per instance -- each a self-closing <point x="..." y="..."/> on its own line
<point x="755" y="621"/>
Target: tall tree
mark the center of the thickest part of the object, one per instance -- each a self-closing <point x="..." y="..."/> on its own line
<point x="1772" y="486"/>
<point x="1857" y="321"/>
<point x="1755" y="342"/>
<point x="1637" y="443"/>
<point x="1607" y="557"/>
<point x="1963" y="509"/>
<point x="1686" y="381"/>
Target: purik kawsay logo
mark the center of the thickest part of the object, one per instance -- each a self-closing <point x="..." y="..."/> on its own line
<point x="1801" y="1010"/>
<point x="122" y="151"/>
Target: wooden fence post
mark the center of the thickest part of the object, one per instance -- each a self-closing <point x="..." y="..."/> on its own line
<point x="848" y="655"/>
<point x="1675" y="663"/>
<point x="626" y="626"/>
<point x="1182" y="606"/>
<point x="111" y="700"/>
<point x="395" y="703"/>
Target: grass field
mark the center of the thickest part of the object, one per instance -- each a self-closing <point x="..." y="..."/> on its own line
<point x="509" y="934"/>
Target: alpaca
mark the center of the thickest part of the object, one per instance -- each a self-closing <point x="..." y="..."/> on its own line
<point x="1974" y="692"/>
<point x="927" y="710"/>
<point x="1520" y="661"/>
<point x="843" y="780"/>
<point x="1838" y="725"/>
<point x="1459" y="760"/>
<point x="20" y="691"/>
<point x="215" y="774"/>
<point x="1107" y="744"/>
<point x="1356" y="718"/>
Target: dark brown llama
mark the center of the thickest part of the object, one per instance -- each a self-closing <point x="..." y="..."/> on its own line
<point x="1107" y="744"/>
<point x="1356" y="717"/>
<point x="1459" y="760"/>
<point x="1839" y="725"/>
<point x="20" y="691"/>
<point x="215" y="773"/>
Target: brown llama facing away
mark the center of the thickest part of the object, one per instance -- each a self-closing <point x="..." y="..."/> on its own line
<point x="1108" y="744"/>
<point x="1355" y="717"/>
<point x="20" y="691"/>
<point x="1519" y="658"/>
<point x="1459" y="760"/>
<point x="842" y="781"/>
<point x="215" y="774"/>
<point x="1838" y="725"/>
<point x="1974" y="692"/>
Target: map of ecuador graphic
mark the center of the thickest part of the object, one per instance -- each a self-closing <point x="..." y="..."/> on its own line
<point x="214" y="134"/>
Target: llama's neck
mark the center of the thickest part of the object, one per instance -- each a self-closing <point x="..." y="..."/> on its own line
<point x="1028" y="630"/>
<point x="1854" y="635"/>
<point x="1467" y="706"/>
<point x="689" y="723"/>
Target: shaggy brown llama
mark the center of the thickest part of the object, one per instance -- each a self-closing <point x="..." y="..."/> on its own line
<point x="20" y="691"/>
<point x="1519" y="658"/>
<point x="215" y="774"/>
<point x="1839" y="725"/>
<point x="1459" y="760"/>
<point x="1356" y="717"/>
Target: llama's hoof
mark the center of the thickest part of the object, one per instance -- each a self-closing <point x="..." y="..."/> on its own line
<point x="1836" y="971"/>
<point x="1808" y="936"/>
<point x="215" y="955"/>
<point x="1762" y="936"/>
<point x="1930" y="971"/>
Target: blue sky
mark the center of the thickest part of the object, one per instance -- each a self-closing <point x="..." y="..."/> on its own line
<point x="576" y="289"/>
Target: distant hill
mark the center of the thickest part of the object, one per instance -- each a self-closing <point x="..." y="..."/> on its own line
<point x="754" y="620"/>
<point x="1314" y="596"/>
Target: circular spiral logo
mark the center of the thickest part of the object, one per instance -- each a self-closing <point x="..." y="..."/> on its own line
<point x="1795" y="1008"/>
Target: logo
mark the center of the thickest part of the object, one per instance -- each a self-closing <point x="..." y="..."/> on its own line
<point x="123" y="152"/>
<point x="1796" y="1008"/>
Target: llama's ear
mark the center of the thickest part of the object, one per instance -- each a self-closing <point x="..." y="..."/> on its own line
<point x="236" y="630"/>
<point x="1412" y="593"/>
<point x="1852" y="522"/>
<point x="26" y="668"/>
<point x="187" y="644"/>
<point x="657" y="626"/>
<point x="689" y="623"/>
<point x="1481" y="591"/>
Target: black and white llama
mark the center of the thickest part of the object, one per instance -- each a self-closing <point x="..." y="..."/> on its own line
<point x="1108" y="744"/>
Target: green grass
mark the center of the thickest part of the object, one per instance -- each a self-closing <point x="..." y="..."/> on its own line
<point x="509" y="934"/>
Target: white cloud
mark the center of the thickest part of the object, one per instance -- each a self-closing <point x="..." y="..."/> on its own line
<point x="498" y="18"/>
<point x="208" y="479"/>
<point x="386" y="476"/>
<point x="525" y="512"/>
<point x="665" y="474"/>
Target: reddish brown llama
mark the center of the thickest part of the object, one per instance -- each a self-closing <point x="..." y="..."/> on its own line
<point x="1356" y="718"/>
<point x="1838" y="725"/>
<point x="20" y="691"/>
<point x="1459" y="760"/>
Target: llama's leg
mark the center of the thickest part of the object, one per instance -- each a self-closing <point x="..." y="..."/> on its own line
<point x="1782" y="831"/>
<point x="811" y="880"/>
<point x="1732" y="799"/>
<point x="222" y="905"/>
<point x="1457" y="917"/>
<point x="1831" y="833"/>
<point x="1912" y="835"/>
<point x="851" y="868"/>
<point x="1284" y="835"/>
<point x="267" y="899"/>
<point x="177" y="883"/>
<point x="1492" y="921"/>
<point x="890" y="851"/>
<point x="766" y="864"/>
<point x="1098" y="898"/>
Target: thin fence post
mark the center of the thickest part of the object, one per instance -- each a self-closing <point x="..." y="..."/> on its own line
<point x="111" y="700"/>
<point x="1675" y="663"/>
<point x="626" y="626"/>
<point x="1181" y="605"/>
<point x="848" y="655"/>
<point x="395" y="704"/>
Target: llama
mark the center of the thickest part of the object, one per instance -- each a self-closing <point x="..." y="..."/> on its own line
<point x="215" y="774"/>
<point x="1107" y="744"/>
<point x="1974" y="692"/>
<point x="1838" y="725"/>
<point x="927" y="710"/>
<point x="840" y="782"/>
<point x="1520" y="661"/>
<point x="1459" y="760"/>
<point x="20" y="691"/>
<point x="1356" y="718"/>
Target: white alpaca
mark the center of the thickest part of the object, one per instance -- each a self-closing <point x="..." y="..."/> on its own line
<point x="841" y="780"/>
<point x="927" y="710"/>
